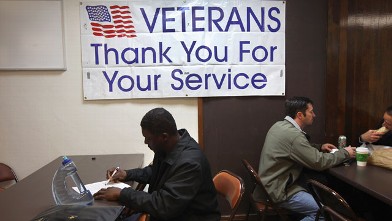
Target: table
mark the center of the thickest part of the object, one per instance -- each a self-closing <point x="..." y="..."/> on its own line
<point x="373" y="180"/>
<point x="33" y="194"/>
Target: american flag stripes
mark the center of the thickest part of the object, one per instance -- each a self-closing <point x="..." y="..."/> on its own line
<point x="115" y="21"/>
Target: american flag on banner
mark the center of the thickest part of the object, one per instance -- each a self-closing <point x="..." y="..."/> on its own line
<point x="115" y="21"/>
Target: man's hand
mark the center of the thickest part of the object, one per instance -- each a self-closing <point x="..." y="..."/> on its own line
<point x="119" y="176"/>
<point x="371" y="136"/>
<point x="327" y="147"/>
<point x="351" y="150"/>
<point x="110" y="194"/>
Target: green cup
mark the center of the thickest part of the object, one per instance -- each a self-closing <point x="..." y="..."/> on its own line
<point x="362" y="155"/>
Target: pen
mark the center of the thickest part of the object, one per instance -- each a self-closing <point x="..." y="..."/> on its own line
<point x="114" y="172"/>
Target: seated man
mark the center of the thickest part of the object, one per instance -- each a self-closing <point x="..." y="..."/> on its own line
<point x="287" y="153"/>
<point x="382" y="135"/>
<point x="180" y="180"/>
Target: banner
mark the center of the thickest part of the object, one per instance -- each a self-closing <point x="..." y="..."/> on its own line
<point x="187" y="48"/>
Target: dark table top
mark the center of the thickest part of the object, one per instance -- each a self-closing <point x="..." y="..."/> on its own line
<point x="33" y="194"/>
<point x="373" y="180"/>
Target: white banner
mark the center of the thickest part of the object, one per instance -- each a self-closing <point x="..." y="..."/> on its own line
<point x="171" y="48"/>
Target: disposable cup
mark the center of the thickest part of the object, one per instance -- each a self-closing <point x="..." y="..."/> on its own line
<point x="362" y="155"/>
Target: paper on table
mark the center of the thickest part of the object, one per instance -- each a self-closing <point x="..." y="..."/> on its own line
<point x="376" y="147"/>
<point x="334" y="150"/>
<point x="95" y="187"/>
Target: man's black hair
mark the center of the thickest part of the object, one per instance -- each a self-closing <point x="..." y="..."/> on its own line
<point x="297" y="104"/>
<point x="159" y="121"/>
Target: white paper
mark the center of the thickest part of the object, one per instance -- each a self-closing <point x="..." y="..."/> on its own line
<point x="334" y="150"/>
<point x="95" y="187"/>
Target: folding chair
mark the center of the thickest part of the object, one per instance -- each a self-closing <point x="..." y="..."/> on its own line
<point x="230" y="186"/>
<point x="332" y="206"/>
<point x="7" y="174"/>
<point x="267" y="207"/>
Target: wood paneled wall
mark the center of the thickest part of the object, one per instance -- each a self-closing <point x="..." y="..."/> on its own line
<point x="359" y="78"/>
<point x="235" y="127"/>
<point x="338" y="53"/>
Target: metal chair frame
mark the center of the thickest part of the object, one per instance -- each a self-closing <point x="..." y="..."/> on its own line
<point x="332" y="205"/>
<point x="268" y="207"/>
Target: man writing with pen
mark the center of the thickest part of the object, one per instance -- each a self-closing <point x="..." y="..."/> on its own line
<point x="180" y="180"/>
<point x="111" y="175"/>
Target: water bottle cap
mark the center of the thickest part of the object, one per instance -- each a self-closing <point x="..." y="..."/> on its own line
<point x="66" y="160"/>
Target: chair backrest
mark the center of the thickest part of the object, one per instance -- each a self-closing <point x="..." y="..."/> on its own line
<point x="7" y="173"/>
<point x="141" y="186"/>
<point x="256" y="181"/>
<point x="332" y="205"/>
<point x="267" y="207"/>
<point x="230" y="186"/>
<point x="128" y="211"/>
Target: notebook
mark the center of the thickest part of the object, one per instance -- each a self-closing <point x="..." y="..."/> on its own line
<point x="95" y="187"/>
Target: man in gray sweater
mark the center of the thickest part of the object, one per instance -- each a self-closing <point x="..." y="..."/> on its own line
<point x="285" y="154"/>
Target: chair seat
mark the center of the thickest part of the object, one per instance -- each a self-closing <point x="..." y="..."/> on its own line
<point x="144" y="217"/>
<point x="7" y="176"/>
<point x="261" y="208"/>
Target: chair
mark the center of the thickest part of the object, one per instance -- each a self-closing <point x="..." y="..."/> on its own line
<point x="128" y="212"/>
<point x="7" y="174"/>
<point x="230" y="186"/>
<point x="140" y="186"/>
<point x="144" y="217"/>
<point x="331" y="204"/>
<point x="267" y="207"/>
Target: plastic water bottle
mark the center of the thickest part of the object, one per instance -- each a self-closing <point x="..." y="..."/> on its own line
<point x="65" y="178"/>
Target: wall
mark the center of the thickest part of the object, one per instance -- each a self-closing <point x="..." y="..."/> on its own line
<point x="359" y="67"/>
<point x="235" y="128"/>
<point x="43" y="114"/>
